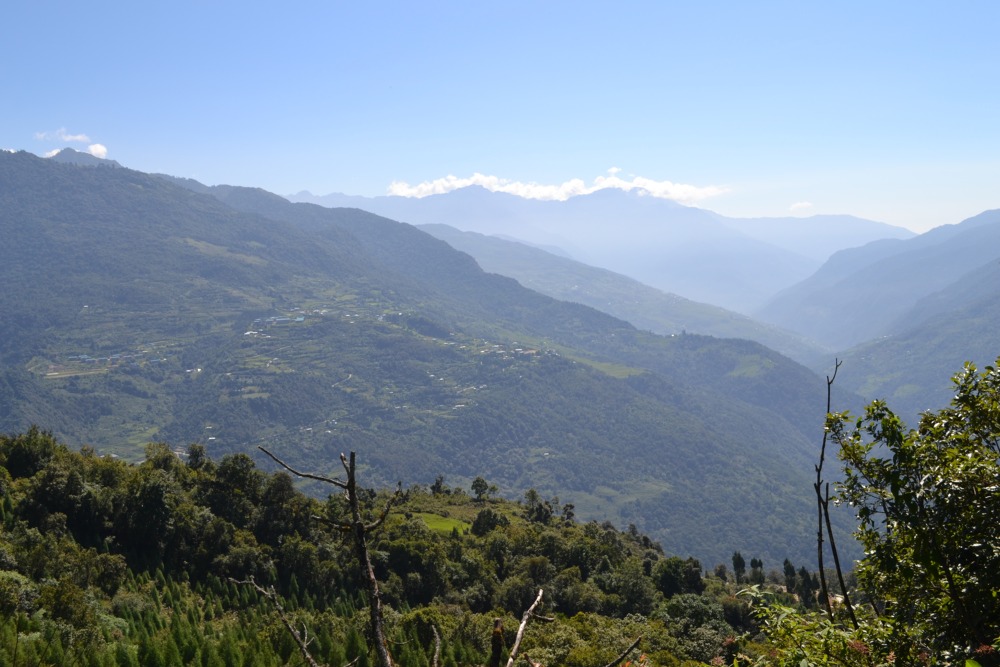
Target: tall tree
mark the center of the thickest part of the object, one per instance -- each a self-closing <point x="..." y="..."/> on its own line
<point x="739" y="566"/>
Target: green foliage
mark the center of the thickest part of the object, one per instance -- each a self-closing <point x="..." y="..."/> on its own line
<point x="928" y="511"/>
<point x="144" y="572"/>
<point x="929" y="516"/>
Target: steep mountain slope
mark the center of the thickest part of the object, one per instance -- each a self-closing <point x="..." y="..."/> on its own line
<point x="868" y="292"/>
<point x="940" y="333"/>
<point x="140" y="310"/>
<point x="734" y="263"/>
<point x="645" y="307"/>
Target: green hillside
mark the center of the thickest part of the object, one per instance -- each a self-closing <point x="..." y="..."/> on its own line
<point x="139" y="309"/>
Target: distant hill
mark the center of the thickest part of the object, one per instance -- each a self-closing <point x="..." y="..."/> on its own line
<point x="733" y="263"/>
<point x="873" y="291"/>
<point x="141" y="308"/>
<point x="645" y="307"/>
<point x="71" y="156"/>
<point x="907" y="313"/>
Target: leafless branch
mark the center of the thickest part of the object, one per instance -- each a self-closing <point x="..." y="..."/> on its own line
<point x="306" y="475"/>
<point x="301" y="639"/>
<point x="520" y="630"/>
<point x="385" y="512"/>
<point x="823" y="504"/>
<point x="359" y="531"/>
<point x="817" y="487"/>
<point x="617" y="661"/>
<point x="339" y="525"/>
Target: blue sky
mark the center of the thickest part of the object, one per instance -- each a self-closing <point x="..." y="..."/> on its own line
<point x="887" y="110"/>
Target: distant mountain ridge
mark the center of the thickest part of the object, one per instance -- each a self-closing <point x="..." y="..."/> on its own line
<point x="871" y="291"/>
<point x="734" y="263"/>
<point x="645" y="307"/>
<point x="73" y="156"/>
<point x="907" y="313"/>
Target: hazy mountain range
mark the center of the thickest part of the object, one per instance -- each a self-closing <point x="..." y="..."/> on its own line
<point x="734" y="263"/>
<point x="645" y="307"/>
<point x="903" y="311"/>
<point x="911" y="311"/>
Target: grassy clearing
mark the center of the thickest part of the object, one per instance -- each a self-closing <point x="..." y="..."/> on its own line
<point x="442" y="524"/>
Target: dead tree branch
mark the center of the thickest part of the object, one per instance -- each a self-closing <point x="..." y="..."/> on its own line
<point x="520" y="630"/>
<point x="304" y="475"/>
<point x="375" y="525"/>
<point x="617" y="661"/>
<point x="301" y="639"/>
<point x="817" y="486"/>
<point x="437" y="647"/>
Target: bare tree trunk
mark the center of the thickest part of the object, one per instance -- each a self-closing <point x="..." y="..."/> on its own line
<point x="817" y="486"/>
<point x="520" y="630"/>
<point x="359" y="530"/>
<point x="823" y="502"/>
<point x="437" y="647"/>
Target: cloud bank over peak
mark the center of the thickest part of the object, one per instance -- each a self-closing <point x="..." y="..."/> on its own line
<point x="63" y="135"/>
<point x="679" y="192"/>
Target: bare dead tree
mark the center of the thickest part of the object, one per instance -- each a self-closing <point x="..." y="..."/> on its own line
<point x="823" y="507"/>
<point x="359" y="531"/>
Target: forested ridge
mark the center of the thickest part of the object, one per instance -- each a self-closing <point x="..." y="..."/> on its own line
<point x="181" y="559"/>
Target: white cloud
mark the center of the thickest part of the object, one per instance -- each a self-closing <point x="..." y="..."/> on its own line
<point x="62" y="135"/>
<point x="98" y="150"/>
<point x="52" y="153"/>
<point x="680" y="192"/>
<point x="800" y="207"/>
